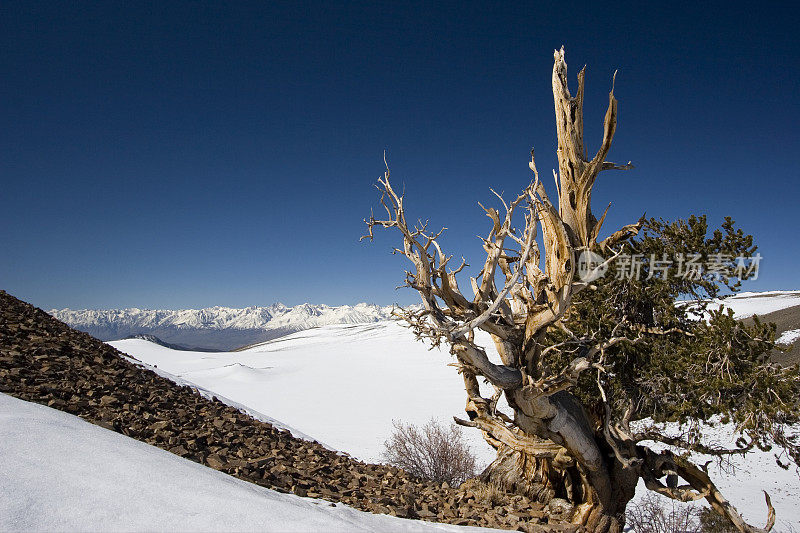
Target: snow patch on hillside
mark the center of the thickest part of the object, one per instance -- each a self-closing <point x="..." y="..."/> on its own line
<point x="788" y="337"/>
<point x="205" y="393"/>
<point x="747" y="304"/>
<point x="342" y="384"/>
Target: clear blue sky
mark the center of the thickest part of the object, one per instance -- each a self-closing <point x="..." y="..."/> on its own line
<point x="169" y="154"/>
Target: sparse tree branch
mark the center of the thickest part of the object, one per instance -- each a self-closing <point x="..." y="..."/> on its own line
<point x="683" y="443"/>
<point x="621" y="235"/>
<point x="608" y="165"/>
<point x="700" y="481"/>
<point x="502" y="376"/>
<point x="501" y="298"/>
<point x="568" y="377"/>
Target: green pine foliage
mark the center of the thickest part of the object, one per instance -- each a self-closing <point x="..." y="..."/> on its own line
<point x="685" y="363"/>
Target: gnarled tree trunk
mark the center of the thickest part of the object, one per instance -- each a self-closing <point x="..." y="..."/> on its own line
<point x="585" y="479"/>
<point x="595" y="498"/>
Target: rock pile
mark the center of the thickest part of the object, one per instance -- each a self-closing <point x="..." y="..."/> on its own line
<point x="45" y="361"/>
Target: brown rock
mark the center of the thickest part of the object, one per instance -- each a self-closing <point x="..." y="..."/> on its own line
<point x="215" y="461"/>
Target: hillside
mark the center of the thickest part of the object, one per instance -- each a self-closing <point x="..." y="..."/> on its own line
<point x="780" y="307"/>
<point x="220" y="328"/>
<point x="44" y="361"/>
<point x="293" y="376"/>
<point x="747" y="304"/>
<point x="786" y="320"/>
<point x="61" y="473"/>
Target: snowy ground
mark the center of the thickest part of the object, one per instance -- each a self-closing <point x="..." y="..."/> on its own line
<point x="60" y="473"/>
<point x="746" y="304"/>
<point x="344" y="384"/>
<point x="788" y="337"/>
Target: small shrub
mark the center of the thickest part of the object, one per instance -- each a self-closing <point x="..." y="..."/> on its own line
<point x="433" y="452"/>
<point x="652" y="514"/>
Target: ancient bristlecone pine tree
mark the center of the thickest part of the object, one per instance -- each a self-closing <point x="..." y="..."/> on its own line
<point x="592" y="370"/>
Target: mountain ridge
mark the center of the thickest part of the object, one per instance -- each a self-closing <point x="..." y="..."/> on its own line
<point x="218" y="327"/>
<point x="222" y="328"/>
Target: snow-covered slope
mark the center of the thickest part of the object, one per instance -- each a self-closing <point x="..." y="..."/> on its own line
<point x="221" y="328"/>
<point x="341" y="384"/>
<point x="747" y="304"/>
<point x="788" y="337"/>
<point x="345" y="384"/>
<point x="61" y="473"/>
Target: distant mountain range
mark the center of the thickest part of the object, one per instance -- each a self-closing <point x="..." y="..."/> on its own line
<point x="225" y="328"/>
<point x="218" y="328"/>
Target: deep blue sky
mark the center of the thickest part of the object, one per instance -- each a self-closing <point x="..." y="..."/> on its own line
<point x="173" y="154"/>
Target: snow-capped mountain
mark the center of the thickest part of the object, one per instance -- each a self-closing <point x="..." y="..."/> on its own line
<point x="225" y="328"/>
<point x="221" y="328"/>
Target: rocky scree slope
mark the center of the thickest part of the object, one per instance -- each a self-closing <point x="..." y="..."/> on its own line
<point x="45" y="361"/>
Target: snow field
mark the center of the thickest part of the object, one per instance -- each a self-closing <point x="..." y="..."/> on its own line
<point x="60" y="473"/>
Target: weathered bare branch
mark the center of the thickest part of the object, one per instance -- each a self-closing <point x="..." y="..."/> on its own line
<point x="502" y="376"/>
<point x="532" y="447"/>
<point x="501" y="298"/>
<point x="622" y="234"/>
<point x="700" y="481"/>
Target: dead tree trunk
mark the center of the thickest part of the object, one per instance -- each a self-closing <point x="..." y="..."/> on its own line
<point x="584" y="474"/>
